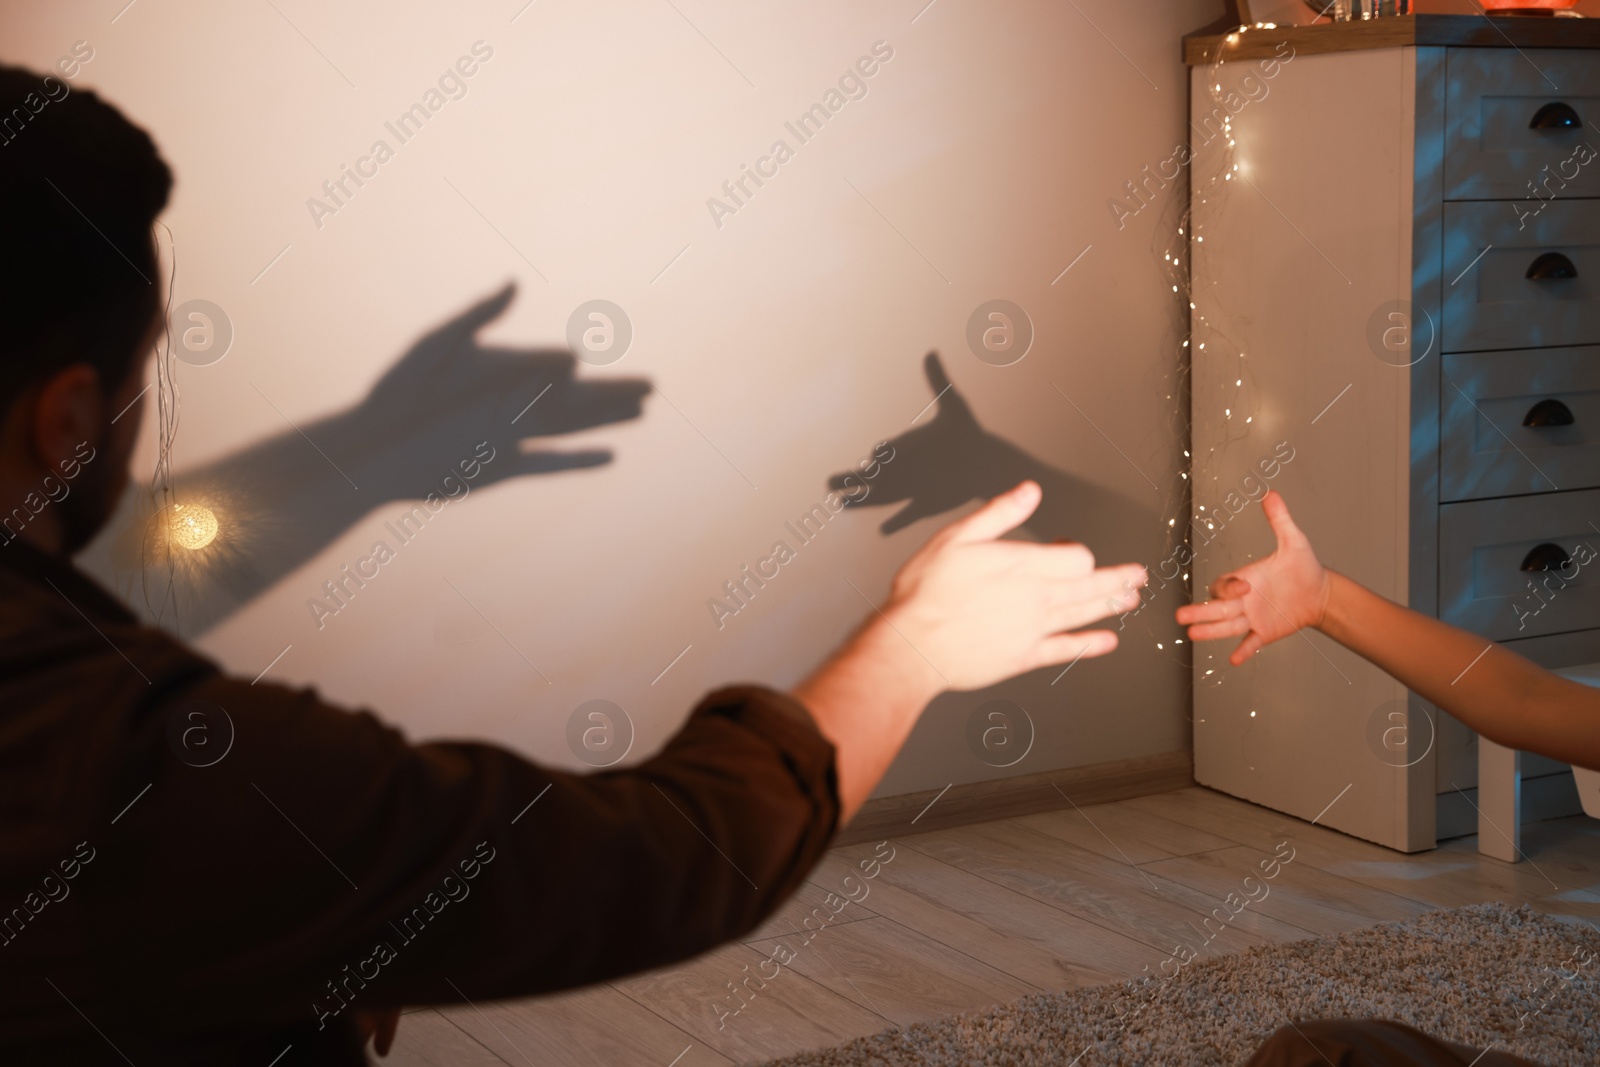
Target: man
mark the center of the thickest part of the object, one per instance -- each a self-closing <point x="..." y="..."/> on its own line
<point x="328" y="872"/>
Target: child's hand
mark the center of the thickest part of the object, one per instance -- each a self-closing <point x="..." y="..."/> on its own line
<point x="1268" y="599"/>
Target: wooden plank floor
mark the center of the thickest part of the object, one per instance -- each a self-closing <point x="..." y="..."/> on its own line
<point x="979" y="915"/>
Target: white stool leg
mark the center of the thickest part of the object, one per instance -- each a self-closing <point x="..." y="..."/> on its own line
<point x="1499" y="801"/>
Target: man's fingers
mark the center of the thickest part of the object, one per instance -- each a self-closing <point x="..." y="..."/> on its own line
<point x="1119" y="584"/>
<point x="1108" y="591"/>
<point x="999" y="516"/>
<point x="1124" y="578"/>
<point x="1251" y="644"/>
<point x="1067" y="648"/>
<point x="1063" y="558"/>
<point x="1060" y="560"/>
<point x="1212" y="631"/>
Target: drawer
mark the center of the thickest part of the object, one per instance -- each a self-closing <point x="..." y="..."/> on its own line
<point x="1508" y="132"/>
<point x="1563" y="650"/>
<point x="1489" y="299"/>
<point x="1483" y="546"/>
<point x="1519" y="422"/>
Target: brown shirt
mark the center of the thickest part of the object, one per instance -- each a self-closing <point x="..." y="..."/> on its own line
<point x="165" y="902"/>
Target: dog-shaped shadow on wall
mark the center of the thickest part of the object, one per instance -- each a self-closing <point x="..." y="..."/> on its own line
<point x="951" y="459"/>
<point x="450" y="417"/>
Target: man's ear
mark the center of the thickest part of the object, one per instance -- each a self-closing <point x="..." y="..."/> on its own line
<point x="68" y="409"/>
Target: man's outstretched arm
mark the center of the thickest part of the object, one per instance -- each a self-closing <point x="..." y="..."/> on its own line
<point x="345" y="870"/>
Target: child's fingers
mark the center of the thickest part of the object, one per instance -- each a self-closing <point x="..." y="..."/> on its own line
<point x="1283" y="525"/>
<point x="1251" y="644"/>
<point x="1209" y="611"/>
<point x="1211" y="631"/>
<point x="1229" y="587"/>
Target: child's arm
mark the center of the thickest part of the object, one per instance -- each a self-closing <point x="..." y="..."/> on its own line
<point x="1496" y="692"/>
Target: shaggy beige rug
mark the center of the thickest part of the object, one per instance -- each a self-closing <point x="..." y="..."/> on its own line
<point x="1484" y="974"/>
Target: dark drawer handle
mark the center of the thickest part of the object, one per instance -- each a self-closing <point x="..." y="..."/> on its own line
<point x="1551" y="265"/>
<point x="1546" y="557"/>
<point x="1548" y="413"/>
<point x="1555" y="116"/>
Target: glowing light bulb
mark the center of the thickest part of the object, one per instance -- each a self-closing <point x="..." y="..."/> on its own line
<point x="193" y="526"/>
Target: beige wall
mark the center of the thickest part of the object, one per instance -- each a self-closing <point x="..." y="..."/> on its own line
<point x="790" y="339"/>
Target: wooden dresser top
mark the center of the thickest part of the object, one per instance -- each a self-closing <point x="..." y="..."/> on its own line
<point x="1398" y="31"/>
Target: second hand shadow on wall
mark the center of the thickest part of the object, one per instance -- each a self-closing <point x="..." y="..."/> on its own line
<point x="424" y="428"/>
<point x="948" y="461"/>
<point x="951" y="460"/>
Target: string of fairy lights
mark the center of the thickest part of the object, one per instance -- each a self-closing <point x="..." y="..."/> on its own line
<point x="1209" y="337"/>
<point x="171" y="523"/>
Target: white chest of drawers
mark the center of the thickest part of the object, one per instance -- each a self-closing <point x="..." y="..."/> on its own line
<point x="1401" y="280"/>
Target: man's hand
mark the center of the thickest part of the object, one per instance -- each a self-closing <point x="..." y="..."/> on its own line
<point x="966" y="611"/>
<point x="1268" y="599"/>
<point x="980" y="610"/>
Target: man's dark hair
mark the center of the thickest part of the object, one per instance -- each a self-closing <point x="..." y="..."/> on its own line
<point x="80" y="187"/>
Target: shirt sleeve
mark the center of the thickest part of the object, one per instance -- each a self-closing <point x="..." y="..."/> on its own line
<point x="325" y="864"/>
